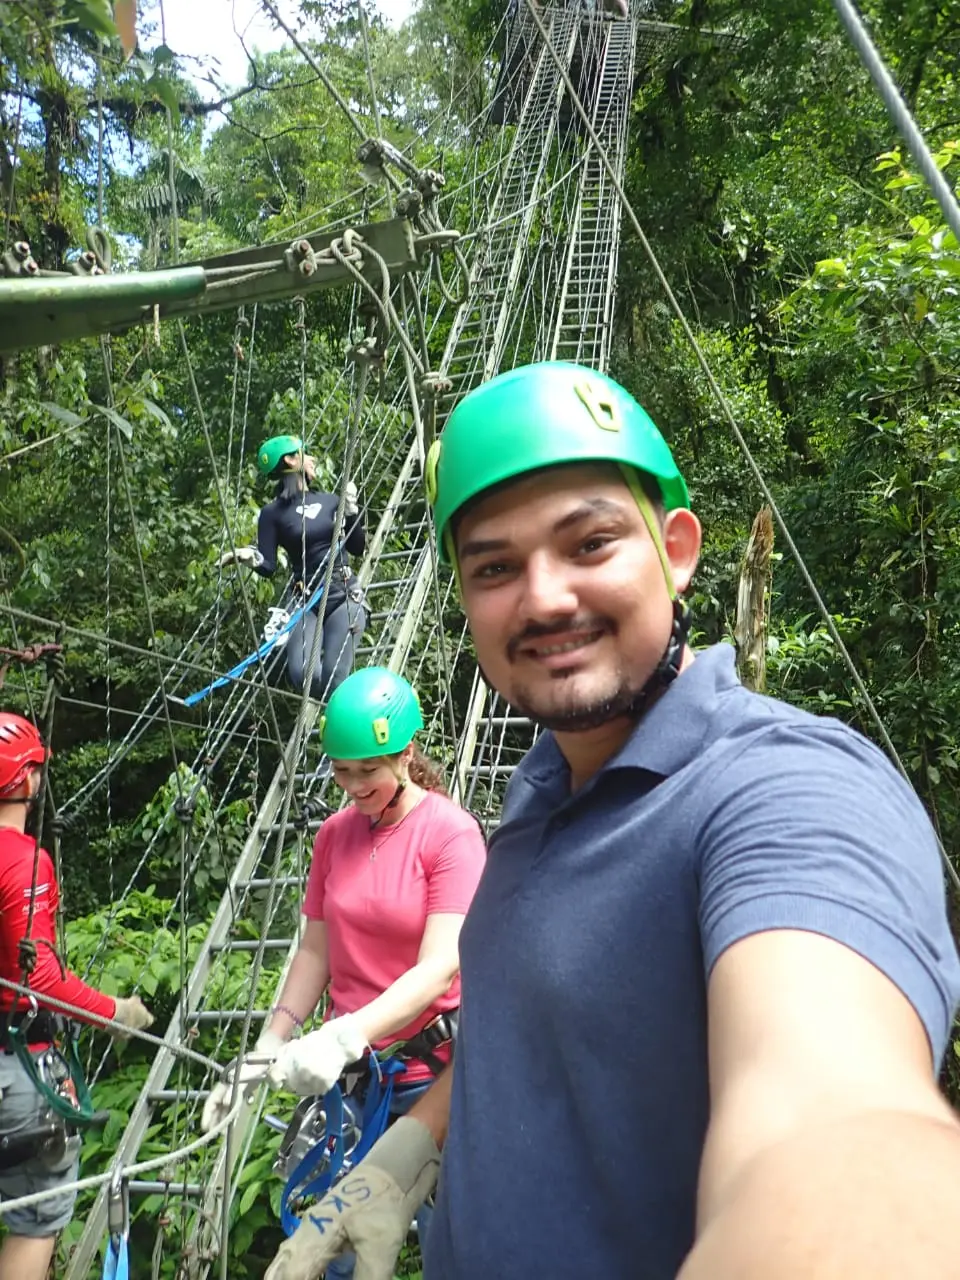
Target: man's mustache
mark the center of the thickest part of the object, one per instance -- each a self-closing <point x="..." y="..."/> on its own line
<point x="541" y="631"/>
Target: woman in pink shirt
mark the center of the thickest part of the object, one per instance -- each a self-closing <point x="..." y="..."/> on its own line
<point x="390" y="882"/>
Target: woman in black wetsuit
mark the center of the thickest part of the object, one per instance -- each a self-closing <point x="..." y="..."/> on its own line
<point x="300" y="520"/>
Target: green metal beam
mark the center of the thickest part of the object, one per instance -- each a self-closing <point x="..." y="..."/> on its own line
<point x="48" y="310"/>
<point x="42" y="310"/>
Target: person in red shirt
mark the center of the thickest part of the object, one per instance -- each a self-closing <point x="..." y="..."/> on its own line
<point x="390" y="882"/>
<point x="31" y="1232"/>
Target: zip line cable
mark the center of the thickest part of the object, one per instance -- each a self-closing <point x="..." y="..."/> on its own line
<point x="900" y="113"/>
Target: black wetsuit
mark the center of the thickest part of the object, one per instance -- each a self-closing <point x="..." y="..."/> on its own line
<point x="305" y="521"/>
<point x="308" y="518"/>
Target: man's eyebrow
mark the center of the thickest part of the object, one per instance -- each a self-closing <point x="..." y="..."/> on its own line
<point x="591" y="507"/>
<point x="583" y="511"/>
<point x="481" y="546"/>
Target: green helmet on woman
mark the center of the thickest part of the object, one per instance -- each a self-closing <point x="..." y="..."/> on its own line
<point x="542" y="415"/>
<point x="373" y="713"/>
<point x="273" y="451"/>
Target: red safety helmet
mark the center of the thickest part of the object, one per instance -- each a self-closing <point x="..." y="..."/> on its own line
<point x="20" y="751"/>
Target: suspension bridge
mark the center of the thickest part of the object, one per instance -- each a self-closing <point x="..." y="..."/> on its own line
<point x="527" y="271"/>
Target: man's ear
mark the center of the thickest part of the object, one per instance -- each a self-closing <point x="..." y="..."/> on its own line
<point x="682" y="537"/>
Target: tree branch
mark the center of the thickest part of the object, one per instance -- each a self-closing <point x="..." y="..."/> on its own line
<point x="124" y="107"/>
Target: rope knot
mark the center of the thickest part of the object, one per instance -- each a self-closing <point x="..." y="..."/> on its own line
<point x="56" y="663"/>
<point x="301" y="258"/>
<point x="367" y="351"/>
<point x="409" y="203"/>
<point x="434" y="385"/>
<point x="185" y="810"/>
<point x="27" y="955"/>
<point x="430" y="182"/>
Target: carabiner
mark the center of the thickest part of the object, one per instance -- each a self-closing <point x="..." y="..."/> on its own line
<point x="118" y="1205"/>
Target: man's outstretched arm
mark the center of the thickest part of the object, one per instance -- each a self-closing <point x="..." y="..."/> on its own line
<point x="830" y="1151"/>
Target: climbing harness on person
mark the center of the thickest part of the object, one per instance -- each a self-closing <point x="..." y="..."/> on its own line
<point x="45" y="1104"/>
<point x="325" y="1140"/>
<point x="276" y="632"/>
<point x="301" y="521"/>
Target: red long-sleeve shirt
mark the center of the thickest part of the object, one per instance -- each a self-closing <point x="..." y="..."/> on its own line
<point x="16" y="889"/>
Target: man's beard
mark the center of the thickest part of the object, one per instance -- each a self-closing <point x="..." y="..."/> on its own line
<point x="581" y="713"/>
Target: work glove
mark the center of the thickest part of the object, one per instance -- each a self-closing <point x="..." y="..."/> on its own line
<point x="369" y="1211"/>
<point x="252" y="1070"/>
<point x="249" y="556"/>
<point x="315" y="1063"/>
<point x="133" y="1014"/>
<point x="351" y="502"/>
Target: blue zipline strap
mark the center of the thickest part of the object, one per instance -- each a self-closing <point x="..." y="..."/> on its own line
<point x="116" y="1265"/>
<point x="266" y="648"/>
<point x="327" y="1155"/>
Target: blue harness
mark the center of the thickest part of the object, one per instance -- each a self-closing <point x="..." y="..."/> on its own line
<point x="265" y="649"/>
<point x="326" y="1162"/>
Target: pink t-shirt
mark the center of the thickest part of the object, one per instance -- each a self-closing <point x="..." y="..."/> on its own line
<point x="376" y="909"/>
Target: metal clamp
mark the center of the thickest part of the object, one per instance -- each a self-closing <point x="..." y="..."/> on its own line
<point x="33" y="1010"/>
<point x="118" y="1205"/>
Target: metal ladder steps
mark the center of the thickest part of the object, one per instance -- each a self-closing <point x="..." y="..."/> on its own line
<point x="180" y="1095"/>
<point x="290" y="828"/>
<point x="138" y="1188"/>
<point x="264" y="882"/>
<point x="391" y="583"/>
<point x="254" y="944"/>
<point x="395" y="555"/>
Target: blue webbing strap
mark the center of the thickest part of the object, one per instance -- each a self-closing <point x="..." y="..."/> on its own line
<point x="116" y="1265"/>
<point x="305" y="1180"/>
<point x="267" y="647"/>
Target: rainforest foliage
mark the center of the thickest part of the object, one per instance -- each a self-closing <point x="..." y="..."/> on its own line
<point x="812" y="263"/>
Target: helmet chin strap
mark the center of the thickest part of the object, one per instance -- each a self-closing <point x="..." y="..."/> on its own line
<point x="391" y="803"/>
<point x="668" y="668"/>
<point x="29" y="800"/>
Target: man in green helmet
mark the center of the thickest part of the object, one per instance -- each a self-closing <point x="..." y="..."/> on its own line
<point x="707" y="978"/>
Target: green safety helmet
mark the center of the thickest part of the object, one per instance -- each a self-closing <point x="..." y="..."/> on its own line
<point x="272" y="452"/>
<point x="373" y="713"/>
<point x="541" y="415"/>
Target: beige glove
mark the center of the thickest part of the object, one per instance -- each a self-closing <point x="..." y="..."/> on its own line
<point x="314" y="1064"/>
<point x="351" y="500"/>
<point x="252" y="1070"/>
<point x="369" y="1211"/>
<point x="133" y="1014"/>
<point x="243" y="555"/>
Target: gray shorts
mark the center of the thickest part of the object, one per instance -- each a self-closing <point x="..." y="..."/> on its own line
<point x="22" y="1107"/>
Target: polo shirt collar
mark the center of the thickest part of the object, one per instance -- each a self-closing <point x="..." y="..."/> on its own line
<point x="668" y="737"/>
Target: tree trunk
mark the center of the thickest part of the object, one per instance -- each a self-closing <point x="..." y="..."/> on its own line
<point x="753" y="596"/>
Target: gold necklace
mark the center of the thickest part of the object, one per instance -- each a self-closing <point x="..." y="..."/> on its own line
<point x="394" y="826"/>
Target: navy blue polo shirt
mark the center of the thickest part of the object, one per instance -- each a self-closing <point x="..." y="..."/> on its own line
<point x="580" y="1095"/>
